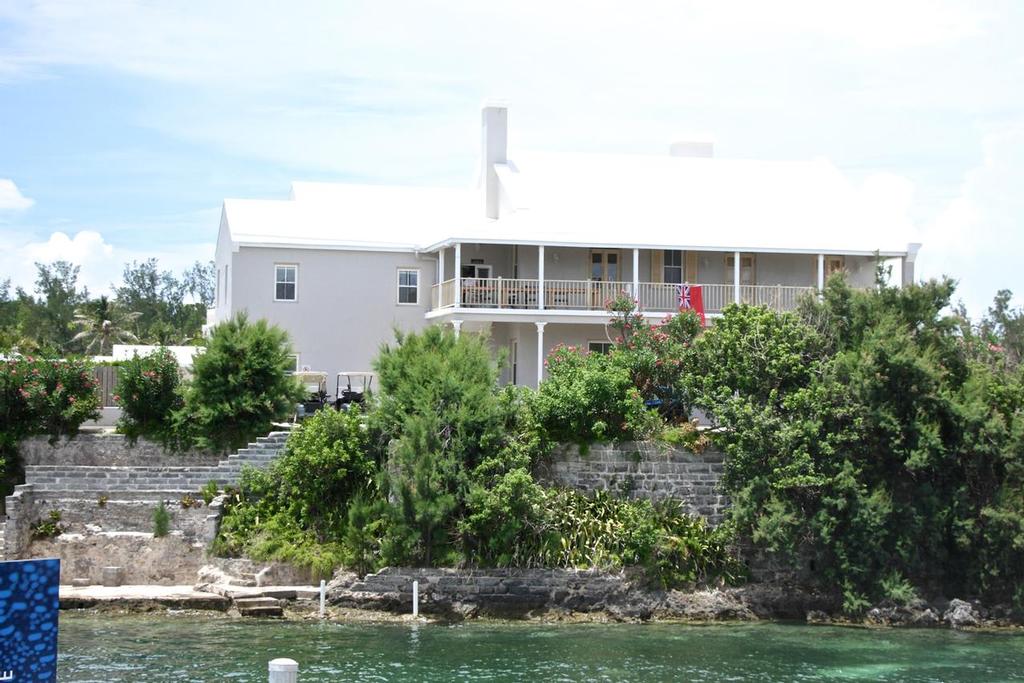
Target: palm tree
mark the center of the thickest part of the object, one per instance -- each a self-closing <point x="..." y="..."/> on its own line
<point x="102" y="325"/>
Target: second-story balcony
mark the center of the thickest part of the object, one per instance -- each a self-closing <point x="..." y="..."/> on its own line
<point x="594" y="295"/>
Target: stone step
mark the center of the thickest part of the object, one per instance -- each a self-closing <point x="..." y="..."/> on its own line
<point x="261" y="611"/>
<point x="257" y="602"/>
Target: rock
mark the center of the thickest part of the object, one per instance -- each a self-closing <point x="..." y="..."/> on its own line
<point x="816" y="616"/>
<point x="961" y="614"/>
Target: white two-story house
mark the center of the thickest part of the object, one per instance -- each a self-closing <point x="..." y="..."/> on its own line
<point x="532" y="255"/>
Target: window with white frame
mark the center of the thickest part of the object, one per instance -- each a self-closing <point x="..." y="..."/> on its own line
<point x="408" y="286"/>
<point x="286" y="282"/>
<point x="673" y="267"/>
<point x="599" y="346"/>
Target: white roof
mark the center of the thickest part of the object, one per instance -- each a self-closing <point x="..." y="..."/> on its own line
<point x="593" y="200"/>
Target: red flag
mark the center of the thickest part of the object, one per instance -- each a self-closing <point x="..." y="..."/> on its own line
<point x="691" y="298"/>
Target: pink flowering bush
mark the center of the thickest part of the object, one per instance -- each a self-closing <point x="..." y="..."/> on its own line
<point x="52" y="397"/>
<point x="147" y="392"/>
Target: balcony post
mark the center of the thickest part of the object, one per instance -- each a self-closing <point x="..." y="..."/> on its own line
<point x="636" y="275"/>
<point x="440" y="265"/>
<point x="540" y="284"/>
<point x="540" y="351"/>
<point x="821" y="273"/>
<point x="458" y="274"/>
<point x="736" y="277"/>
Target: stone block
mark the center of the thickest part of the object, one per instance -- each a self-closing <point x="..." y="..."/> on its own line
<point x="112" y="576"/>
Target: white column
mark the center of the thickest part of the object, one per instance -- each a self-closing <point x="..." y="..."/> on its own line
<point x="821" y="273"/>
<point x="440" y="266"/>
<point x="540" y="352"/>
<point x="540" y="279"/>
<point x="636" y="274"/>
<point x="458" y="274"/>
<point x="736" y="277"/>
<point x="457" y="326"/>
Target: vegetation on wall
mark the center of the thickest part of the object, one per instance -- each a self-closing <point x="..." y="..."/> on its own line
<point x="877" y="431"/>
<point x="442" y="476"/>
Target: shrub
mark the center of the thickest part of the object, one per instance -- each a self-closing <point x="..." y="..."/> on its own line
<point x="240" y="386"/>
<point x="590" y="397"/>
<point x="147" y="392"/>
<point x="161" y="521"/>
<point x="209" y="491"/>
<point x="49" y="528"/>
<point x="51" y="397"/>
<point x="326" y="462"/>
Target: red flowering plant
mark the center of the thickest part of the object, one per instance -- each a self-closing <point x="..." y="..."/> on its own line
<point x="147" y="392"/>
<point x="653" y="355"/>
<point x="52" y="397"/>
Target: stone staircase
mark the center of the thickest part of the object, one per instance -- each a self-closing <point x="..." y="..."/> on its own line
<point x="107" y="514"/>
<point x="150" y="483"/>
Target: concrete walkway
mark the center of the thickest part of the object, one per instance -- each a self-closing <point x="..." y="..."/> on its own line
<point x="140" y="598"/>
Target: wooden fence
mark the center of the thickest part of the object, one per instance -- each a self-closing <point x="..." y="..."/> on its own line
<point x="106" y="380"/>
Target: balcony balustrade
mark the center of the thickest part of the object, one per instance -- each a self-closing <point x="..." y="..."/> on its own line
<point x="594" y="295"/>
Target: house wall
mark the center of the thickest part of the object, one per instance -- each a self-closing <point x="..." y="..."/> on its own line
<point x="347" y="301"/>
<point x="502" y="335"/>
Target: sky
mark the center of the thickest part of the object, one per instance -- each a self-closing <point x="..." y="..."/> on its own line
<point x="123" y="125"/>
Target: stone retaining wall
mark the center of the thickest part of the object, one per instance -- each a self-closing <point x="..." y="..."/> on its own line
<point x="106" y="449"/>
<point x="492" y="591"/>
<point x="18" y="528"/>
<point x="643" y="470"/>
<point x="86" y="515"/>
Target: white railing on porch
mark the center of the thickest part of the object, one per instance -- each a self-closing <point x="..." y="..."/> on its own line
<point x="593" y="295"/>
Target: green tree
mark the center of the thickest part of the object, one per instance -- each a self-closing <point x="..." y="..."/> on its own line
<point x="240" y="386"/>
<point x="102" y="325"/>
<point x="49" y="320"/>
<point x="439" y="417"/>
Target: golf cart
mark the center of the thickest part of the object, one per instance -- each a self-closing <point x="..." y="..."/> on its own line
<point x="352" y="388"/>
<point x="315" y="385"/>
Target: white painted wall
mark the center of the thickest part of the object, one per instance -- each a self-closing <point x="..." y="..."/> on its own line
<point x="347" y="301"/>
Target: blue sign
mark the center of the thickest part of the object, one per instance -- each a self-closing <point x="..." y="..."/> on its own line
<point x="29" y="599"/>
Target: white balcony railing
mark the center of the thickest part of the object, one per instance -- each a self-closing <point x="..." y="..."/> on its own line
<point x="593" y="295"/>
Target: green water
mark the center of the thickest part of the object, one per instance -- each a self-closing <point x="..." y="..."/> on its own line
<point x="188" y="648"/>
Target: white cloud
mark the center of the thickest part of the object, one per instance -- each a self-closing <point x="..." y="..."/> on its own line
<point x="979" y="236"/>
<point x="101" y="263"/>
<point x="11" y="198"/>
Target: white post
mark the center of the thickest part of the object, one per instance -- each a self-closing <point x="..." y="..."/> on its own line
<point x="540" y="352"/>
<point x="440" y="265"/>
<point x="736" y="277"/>
<point x="540" y="277"/>
<point x="323" y="597"/>
<point x="458" y="274"/>
<point x="283" y="671"/>
<point x="415" y="598"/>
<point x="457" y="326"/>
<point x="636" y="274"/>
<point x="821" y="273"/>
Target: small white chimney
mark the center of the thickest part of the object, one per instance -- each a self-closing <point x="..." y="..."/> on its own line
<point x="692" y="148"/>
<point x="494" y="150"/>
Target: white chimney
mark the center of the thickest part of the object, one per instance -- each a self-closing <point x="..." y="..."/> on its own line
<point x="494" y="150"/>
<point x="692" y="148"/>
